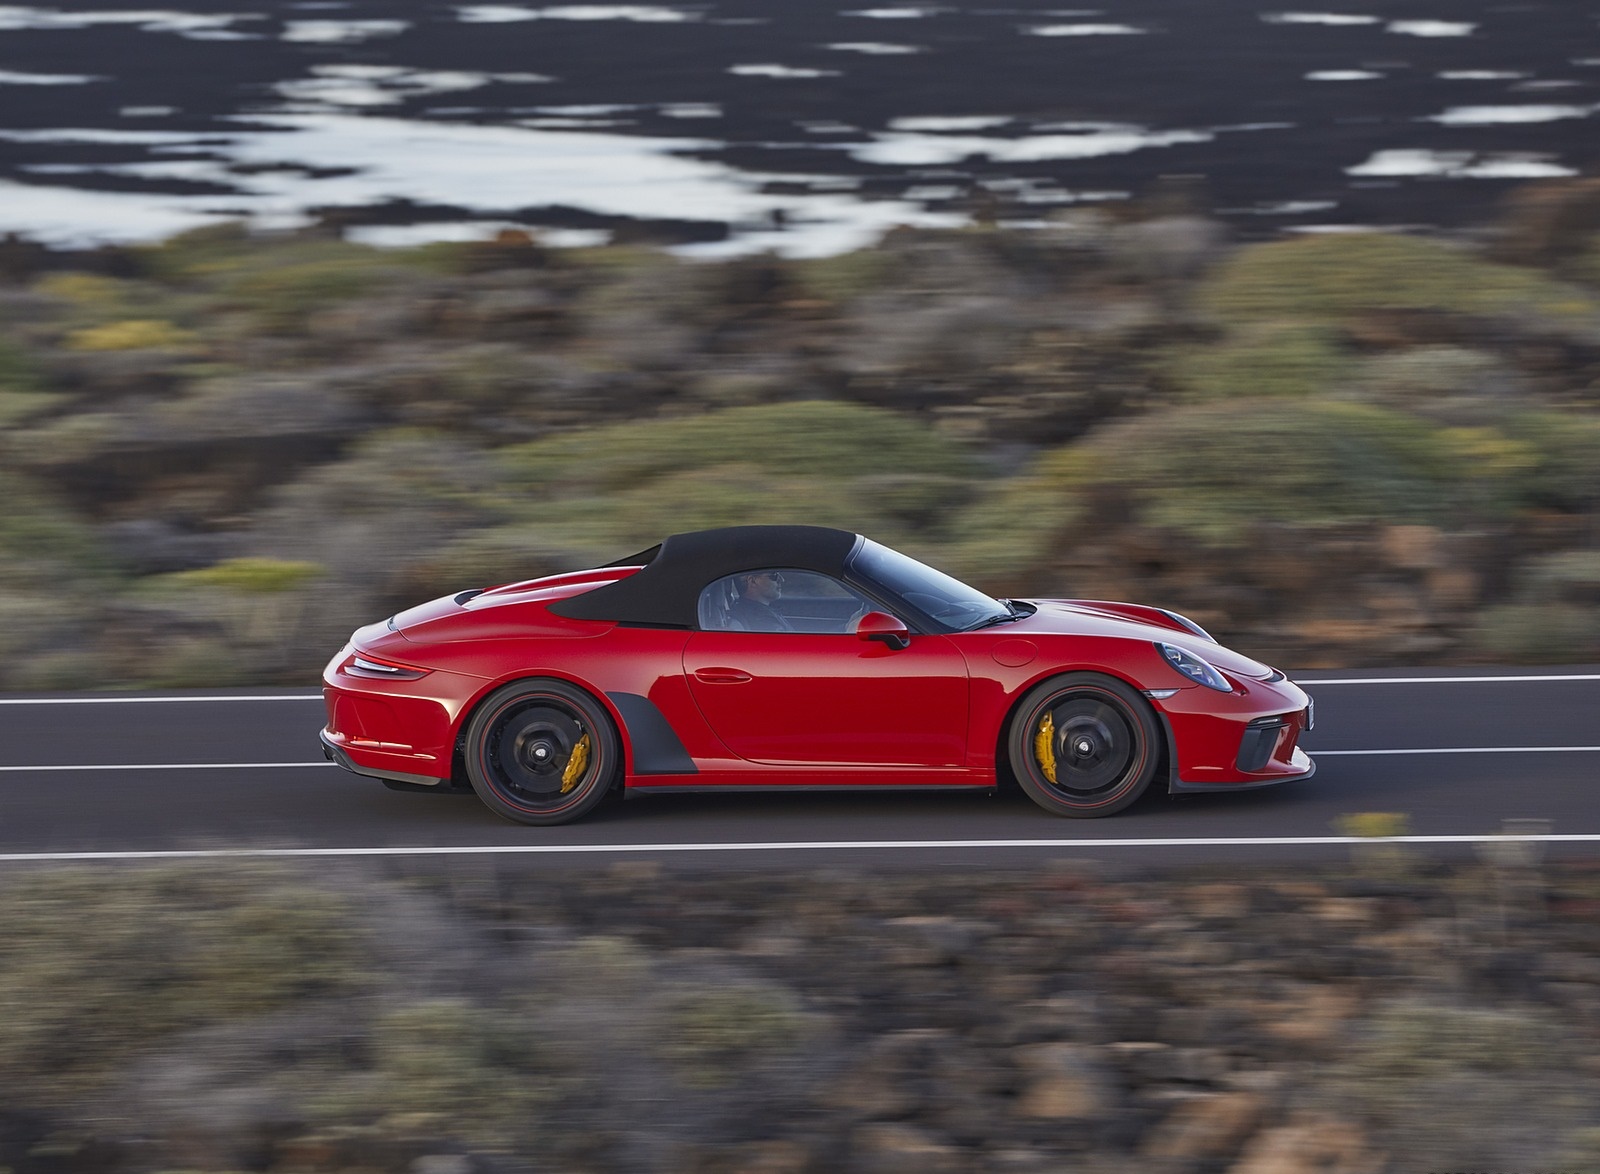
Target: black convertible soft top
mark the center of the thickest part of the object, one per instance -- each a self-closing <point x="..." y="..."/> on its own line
<point x="666" y="593"/>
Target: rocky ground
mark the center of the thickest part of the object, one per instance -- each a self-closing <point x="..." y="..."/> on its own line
<point x="223" y="453"/>
<point x="1402" y="1016"/>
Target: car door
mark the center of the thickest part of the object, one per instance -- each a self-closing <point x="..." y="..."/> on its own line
<point x="817" y="694"/>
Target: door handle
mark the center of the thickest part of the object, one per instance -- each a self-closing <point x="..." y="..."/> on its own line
<point x="721" y="676"/>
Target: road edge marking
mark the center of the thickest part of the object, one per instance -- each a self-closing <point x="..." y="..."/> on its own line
<point x="786" y="846"/>
<point x="158" y="700"/>
<point x="1448" y="680"/>
<point x="111" y="766"/>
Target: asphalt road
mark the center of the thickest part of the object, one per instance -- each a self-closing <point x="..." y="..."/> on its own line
<point x="1458" y="753"/>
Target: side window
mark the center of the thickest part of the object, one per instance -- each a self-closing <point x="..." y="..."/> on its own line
<point x="780" y="600"/>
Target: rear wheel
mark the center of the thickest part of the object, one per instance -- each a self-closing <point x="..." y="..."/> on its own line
<point x="541" y="752"/>
<point x="1083" y="745"/>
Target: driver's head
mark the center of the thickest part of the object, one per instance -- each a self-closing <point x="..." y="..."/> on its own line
<point x="762" y="586"/>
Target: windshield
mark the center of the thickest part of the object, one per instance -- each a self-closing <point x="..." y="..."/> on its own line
<point x="948" y="602"/>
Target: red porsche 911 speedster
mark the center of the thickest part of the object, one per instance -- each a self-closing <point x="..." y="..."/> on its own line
<point x="760" y="657"/>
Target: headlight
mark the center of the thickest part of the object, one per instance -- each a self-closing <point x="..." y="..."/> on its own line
<point x="1196" y="668"/>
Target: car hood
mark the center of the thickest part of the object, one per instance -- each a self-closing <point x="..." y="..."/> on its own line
<point x="1063" y="617"/>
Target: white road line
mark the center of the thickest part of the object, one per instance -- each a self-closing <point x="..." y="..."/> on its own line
<point x="309" y="697"/>
<point x="1448" y="680"/>
<point x="109" y="766"/>
<point x="790" y="846"/>
<point x="115" y="700"/>
<point x="173" y="766"/>
<point x="1466" y="750"/>
<point x="156" y="700"/>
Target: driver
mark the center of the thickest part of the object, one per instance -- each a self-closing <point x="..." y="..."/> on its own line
<point x="758" y="591"/>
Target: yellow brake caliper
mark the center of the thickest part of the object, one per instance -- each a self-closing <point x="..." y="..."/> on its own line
<point x="576" y="765"/>
<point x="1044" y="746"/>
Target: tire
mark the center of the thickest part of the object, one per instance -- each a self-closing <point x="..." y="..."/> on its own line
<point x="1103" y="738"/>
<point x="524" y="755"/>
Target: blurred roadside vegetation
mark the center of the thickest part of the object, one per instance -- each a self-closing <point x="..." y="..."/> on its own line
<point x="297" y="1018"/>
<point x="223" y="452"/>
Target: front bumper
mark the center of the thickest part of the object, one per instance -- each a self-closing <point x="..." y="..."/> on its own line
<point x="1242" y="741"/>
<point x="1300" y="760"/>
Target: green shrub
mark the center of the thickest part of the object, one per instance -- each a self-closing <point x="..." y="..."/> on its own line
<point x="17" y="407"/>
<point x="285" y="296"/>
<point x="1373" y="824"/>
<point x="1334" y="277"/>
<point x="1553" y="615"/>
<point x="473" y="1072"/>
<point x="42" y="543"/>
<point x="1420" y="374"/>
<point x="709" y="1035"/>
<point x="1586" y="267"/>
<point x="248" y="576"/>
<point x="846" y="276"/>
<point x="818" y="463"/>
<point x="132" y="334"/>
<point x="1407" y="1043"/>
<point x="1214" y="471"/>
<point x="18" y="372"/>
<point x="95" y="967"/>
<point x="1547" y="633"/>
<point x="811" y="438"/>
<point x="1563" y="469"/>
<point x="87" y="290"/>
<point x="1262" y="359"/>
<point x="1570" y="576"/>
<point x="199" y="252"/>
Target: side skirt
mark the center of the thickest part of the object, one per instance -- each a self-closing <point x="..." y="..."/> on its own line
<point x="802" y="788"/>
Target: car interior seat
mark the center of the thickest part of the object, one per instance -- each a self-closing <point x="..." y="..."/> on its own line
<point x="716" y="608"/>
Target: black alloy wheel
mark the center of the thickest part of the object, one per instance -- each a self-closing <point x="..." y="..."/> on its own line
<point x="1084" y="745"/>
<point x="541" y="752"/>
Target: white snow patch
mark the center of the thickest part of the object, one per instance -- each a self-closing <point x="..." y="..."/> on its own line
<point x="1334" y="19"/>
<point x="404" y="236"/>
<point x="892" y="13"/>
<point x="935" y="122"/>
<point x="775" y="70"/>
<point x="1414" y="162"/>
<point x="1286" y="208"/>
<point x="635" y="13"/>
<point x="66" y="217"/>
<point x="876" y="48"/>
<point x="355" y="85"/>
<point x="1431" y="28"/>
<point x="301" y="161"/>
<point x="17" y="18"/>
<point x="1085" y="30"/>
<point x="342" y="32"/>
<point x="12" y="77"/>
<point x="1507" y="115"/>
<point x="922" y="150"/>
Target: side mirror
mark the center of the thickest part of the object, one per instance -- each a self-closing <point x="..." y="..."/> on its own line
<point x="884" y="628"/>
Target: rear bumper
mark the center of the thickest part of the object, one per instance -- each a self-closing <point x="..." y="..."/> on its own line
<point x="334" y="752"/>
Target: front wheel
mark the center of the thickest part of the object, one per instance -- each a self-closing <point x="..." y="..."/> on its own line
<point x="541" y="752"/>
<point x="1083" y="745"/>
